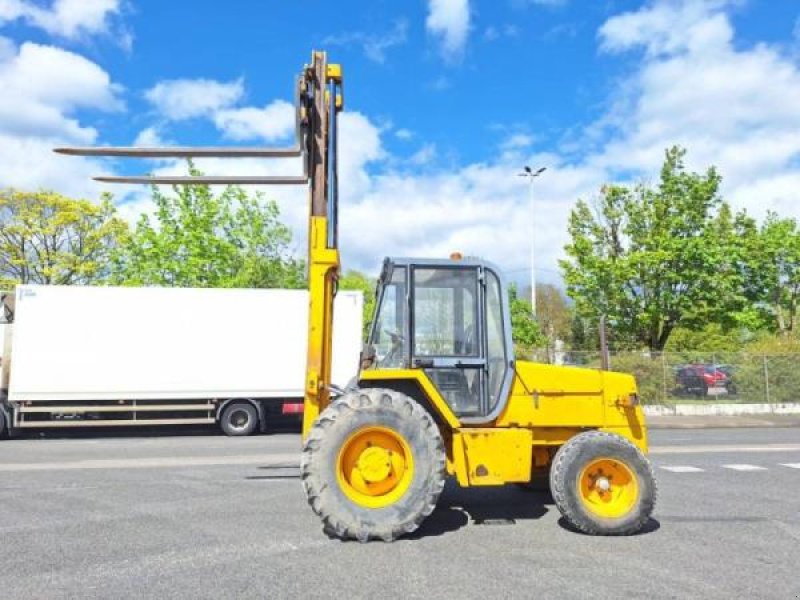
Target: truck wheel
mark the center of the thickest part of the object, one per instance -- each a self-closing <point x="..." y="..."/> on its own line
<point x="373" y="465"/>
<point x="603" y="484"/>
<point x="239" y="418"/>
<point x="2" y="424"/>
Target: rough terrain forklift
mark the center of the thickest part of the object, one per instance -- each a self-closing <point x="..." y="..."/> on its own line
<point x="439" y="391"/>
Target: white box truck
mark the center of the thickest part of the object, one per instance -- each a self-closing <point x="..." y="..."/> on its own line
<point x="115" y="356"/>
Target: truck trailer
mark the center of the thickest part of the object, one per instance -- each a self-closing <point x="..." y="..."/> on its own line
<point x="78" y="356"/>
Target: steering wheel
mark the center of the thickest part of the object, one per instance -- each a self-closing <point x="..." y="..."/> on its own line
<point x="394" y="335"/>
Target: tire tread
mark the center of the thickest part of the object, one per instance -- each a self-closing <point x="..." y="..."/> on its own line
<point x="558" y="482"/>
<point x="313" y="482"/>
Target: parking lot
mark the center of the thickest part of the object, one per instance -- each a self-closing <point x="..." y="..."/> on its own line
<point x="202" y="515"/>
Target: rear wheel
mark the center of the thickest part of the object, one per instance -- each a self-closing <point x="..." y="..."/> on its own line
<point x="238" y="419"/>
<point x="603" y="484"/>
<point x="2" y="424"/>
<point x="373" y="465"/>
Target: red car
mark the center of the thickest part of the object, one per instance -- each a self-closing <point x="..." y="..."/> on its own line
<point x="697" y="379"/>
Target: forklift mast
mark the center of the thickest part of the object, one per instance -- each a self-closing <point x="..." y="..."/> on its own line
<point x="318" y="100"/>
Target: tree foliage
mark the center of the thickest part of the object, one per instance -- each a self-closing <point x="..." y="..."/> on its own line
<point x="772" y="272"/>
<point x="655" y="258"/>
<point x="553" y="313"/>
<point x="524" y="328"/>
<point x="196" y="238"/>
<point x="355" y="280"/>
<point x="52" y="239"/>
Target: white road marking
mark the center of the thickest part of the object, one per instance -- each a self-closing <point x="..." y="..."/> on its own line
<point x="791" y="465"/>
<point x="744" y="467"/>
<point x="682" y="469"/>
<point x="708" y="448"/>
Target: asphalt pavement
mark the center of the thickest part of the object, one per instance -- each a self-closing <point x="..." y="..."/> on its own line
<point x="201" y="516"/>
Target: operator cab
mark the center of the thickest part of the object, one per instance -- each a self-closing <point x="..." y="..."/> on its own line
<point x="451" y="319"/>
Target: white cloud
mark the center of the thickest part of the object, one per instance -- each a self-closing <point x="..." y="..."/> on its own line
<point x="34" y="120"/>
<point x="65" y="18"/>
<point x="374" y="45"/>
<point x="449" y="20"/>
<point x="43" y="85"/>
<point x="359" y="144"/>
<point x="425" y="156"/>
<point x="7" y="49"/>
<point x="493" y="33"/>
<point x="273" y="122"/>
<point x="179" y="99"/>
<point x="728" y="106"/>
<point x="150" y="137"/>
<point x="404" y="134"/>
<point x="516" y="141"/>
<point x="668" y="27"/>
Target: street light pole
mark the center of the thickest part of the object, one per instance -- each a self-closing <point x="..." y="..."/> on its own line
<point x="531" y="175"/>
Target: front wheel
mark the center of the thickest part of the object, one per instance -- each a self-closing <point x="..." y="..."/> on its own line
<point x="603" y="484"/>
<point x="373" y="465"/>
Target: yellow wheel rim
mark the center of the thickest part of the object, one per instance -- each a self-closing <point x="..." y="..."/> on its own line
<point x="375" y="467"/>
<point x="608" y="488"/>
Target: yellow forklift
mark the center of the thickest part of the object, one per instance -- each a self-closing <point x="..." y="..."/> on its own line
<point x="439" y="391"/>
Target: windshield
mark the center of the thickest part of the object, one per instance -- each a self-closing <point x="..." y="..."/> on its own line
<point x="389" y="328"/>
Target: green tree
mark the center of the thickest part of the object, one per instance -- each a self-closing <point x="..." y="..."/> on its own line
<point x="711" y="338"/>
<point x="196" y="238"/>
<point x="553" y="313"/>
<point x="51" y="239"/>
<point x="525" y="330"/>
<point x="655" y="258"/>
<point x="355" y="280"/>
<point x="772" y="272"/>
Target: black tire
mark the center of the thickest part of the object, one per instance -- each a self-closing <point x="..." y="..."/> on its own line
<point x="359" y="410"/>
<point x="569" y="464"/>
<point x="239" y="419"/>
<point x="2" y="424"/>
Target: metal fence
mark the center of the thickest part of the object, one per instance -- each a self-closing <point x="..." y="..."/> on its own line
<point x="696" y="377"/>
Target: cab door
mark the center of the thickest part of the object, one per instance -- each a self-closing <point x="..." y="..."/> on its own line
<point x="448" y="337"/>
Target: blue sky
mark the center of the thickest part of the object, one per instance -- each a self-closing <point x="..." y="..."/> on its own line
<point x="445" y="100"/>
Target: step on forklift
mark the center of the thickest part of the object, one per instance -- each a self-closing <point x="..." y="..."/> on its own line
<point x="439" y="392"/>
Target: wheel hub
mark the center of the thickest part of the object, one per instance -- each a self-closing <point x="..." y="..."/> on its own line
<point x="375" y="467"/>
<point x="375" y="464"/>
<point x="608" y="487"/>
<point x="239" y="419"/>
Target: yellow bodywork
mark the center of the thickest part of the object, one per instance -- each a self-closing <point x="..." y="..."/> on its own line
<point x="323" y="269"/>
<point x="546" y="407"/>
